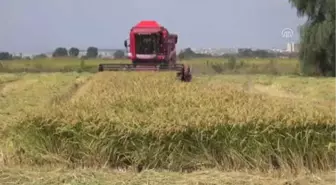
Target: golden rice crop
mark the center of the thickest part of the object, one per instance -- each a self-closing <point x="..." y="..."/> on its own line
<point x="153" y="120"/>
<point x="158" y="101"/>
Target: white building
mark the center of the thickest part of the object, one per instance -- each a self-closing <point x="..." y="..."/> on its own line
<point x="292" y="47"/>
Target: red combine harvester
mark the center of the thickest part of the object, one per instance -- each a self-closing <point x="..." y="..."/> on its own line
<point x="151" y="48"/>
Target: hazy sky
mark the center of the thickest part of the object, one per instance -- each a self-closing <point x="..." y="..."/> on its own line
<point x="42" y="25"/>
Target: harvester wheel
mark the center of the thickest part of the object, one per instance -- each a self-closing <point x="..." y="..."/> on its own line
<point x="100" y="68"/>
<point x="185" y="74"/>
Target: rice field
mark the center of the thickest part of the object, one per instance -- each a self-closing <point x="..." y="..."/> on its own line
<point x="200" y="66"/>
<point x="151" y="122"/>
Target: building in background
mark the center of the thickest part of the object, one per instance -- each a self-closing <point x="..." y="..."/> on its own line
<point x="293" y="47"/>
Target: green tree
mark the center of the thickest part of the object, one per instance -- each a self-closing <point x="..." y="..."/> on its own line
<point x="317" y="47"/>
<point x="119" y="54"/>
<point x="60" y="52"/>
<point x="5" y="56"/>
<point x="74" y="52"/>
<point x="40" y="56"/>
<point x="92" y="52"/>
<point x="186" y="53"/>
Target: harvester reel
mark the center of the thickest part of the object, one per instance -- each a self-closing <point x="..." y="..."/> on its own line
<point x="184" y="71"/>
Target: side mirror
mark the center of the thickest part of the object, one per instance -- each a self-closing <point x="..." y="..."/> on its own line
<point x="125" y="43"/>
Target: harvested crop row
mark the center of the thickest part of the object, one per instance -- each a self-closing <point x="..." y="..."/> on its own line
<point x="5" y="78"/>
<point x="153" y="120"/>
<point x="21" y="94"/>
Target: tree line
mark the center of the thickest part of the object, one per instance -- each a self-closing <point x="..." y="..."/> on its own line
<point x="91" y="52"/>
<point x="317" y="42"/>
<point x="242" y="53"/>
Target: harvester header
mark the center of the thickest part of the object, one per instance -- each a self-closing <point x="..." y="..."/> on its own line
<point x="151" y="47"/>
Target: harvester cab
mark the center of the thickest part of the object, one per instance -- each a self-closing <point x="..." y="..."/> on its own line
<point x="151" y="47"/>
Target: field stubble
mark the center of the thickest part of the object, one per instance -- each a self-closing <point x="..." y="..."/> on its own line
<point x="150" y="120"/>
<point x="57" y="176"/>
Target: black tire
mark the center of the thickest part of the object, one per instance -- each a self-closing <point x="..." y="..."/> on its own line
<point x="186" y="74"/>
<point x="100" y="68"/>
